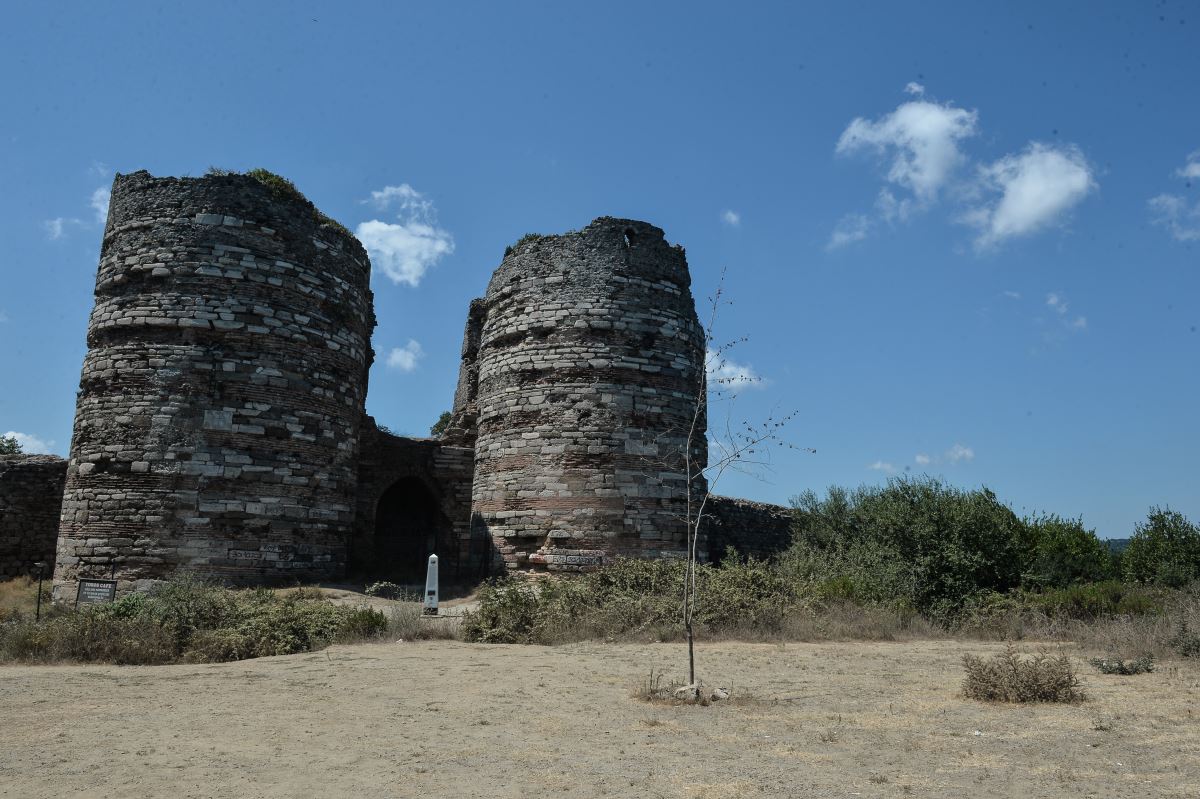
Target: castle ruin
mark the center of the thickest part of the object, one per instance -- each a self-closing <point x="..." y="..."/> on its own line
<point x="220" y="426"/>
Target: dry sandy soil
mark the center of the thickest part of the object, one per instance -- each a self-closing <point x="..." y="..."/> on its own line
<point x="447" y="719"/>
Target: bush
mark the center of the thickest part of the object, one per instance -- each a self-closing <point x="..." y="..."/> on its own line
<point x="1009" y="677"/>
<point x="1115" y="665"/>
<point x="944" y="544"/>
<point x="1165" y="549"/>
<point x="1186" y="641"/>
<point x="190" y="620"/>
<point x="386" y="590"/>
<point x="1062" y="552"/>
<point x="1096" y="600"/>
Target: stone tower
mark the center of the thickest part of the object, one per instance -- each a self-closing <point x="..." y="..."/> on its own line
<point x="582" y="367"/>
<point x="218" y="416"/>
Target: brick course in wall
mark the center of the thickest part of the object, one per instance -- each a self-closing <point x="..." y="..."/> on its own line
<point x="31" y="491"/>
<point x="217" y="423"/>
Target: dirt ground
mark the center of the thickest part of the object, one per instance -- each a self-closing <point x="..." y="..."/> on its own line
<point x="447" y="719"/>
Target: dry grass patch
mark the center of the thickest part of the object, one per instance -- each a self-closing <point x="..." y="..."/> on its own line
<point x="18" y="597"/>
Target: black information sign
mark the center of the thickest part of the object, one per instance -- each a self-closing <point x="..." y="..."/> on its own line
<point x="96" y="592"/>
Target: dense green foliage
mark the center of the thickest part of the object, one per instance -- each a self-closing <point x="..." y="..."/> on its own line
<point x="9" y="445"/>
<point x="186" y="619"/>
<point x="1165" y="549"/>
<point x="915" y="540"/>
<point x="1059" y="552"/>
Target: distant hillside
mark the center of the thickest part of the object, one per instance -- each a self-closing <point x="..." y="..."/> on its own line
<point x="1117" y="545"/>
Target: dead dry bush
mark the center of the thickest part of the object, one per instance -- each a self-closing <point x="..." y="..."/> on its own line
<point x="1013" y="677"/>
<point x="1116" y="665"/>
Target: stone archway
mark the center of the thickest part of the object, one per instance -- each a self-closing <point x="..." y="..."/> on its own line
<point x="409" y="527"/>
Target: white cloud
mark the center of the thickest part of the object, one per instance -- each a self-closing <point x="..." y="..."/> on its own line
<point x="912" y="87"/>
<point x="56" y="228"/>
<point x="404" y="359"/>
<point x="726" y="375"/>
<point x="406" y="250"/>
<point x="99" y="204"/>
<point x="31" y="444"/>
<point x="921" y="138"/>
<point x="883" y="466"/>
<point x="60" y="226"/>
<point x="956" y="454"/>
<point x="1012" y="295"/>
<point x="731" y="218"/>
<point x="99" y="169"/>
<point x="1191" y="169"/>
<point x="405" y="197"/>
<point x="1059" y="305"/>
<point x="3" y="317"/>
<point x="1173" y="211"/>
<point x="1036" y="187"/>
<point x="851" y="228"/>
<point x="959" y="453"/>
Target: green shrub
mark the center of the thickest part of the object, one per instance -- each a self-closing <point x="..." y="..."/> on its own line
<point x="945" y="544"/>
<point x="188" y="619"/>
<point x="1009" y="677"/>
<point x="1096" y="600"/>
<point x="1165" y="549"/>
<point x="88" y="636"/>
<point x="1062" y="552"/>
<point x="508" y="613"/>
<point x="386" y="590"/>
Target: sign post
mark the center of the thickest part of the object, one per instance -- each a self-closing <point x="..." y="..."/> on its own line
<point x="41" y="567"/>
<point x="431" y="587"/>
<point x="95" y="592"/>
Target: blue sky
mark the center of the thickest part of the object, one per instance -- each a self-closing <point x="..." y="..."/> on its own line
<point x="961" y="238"/>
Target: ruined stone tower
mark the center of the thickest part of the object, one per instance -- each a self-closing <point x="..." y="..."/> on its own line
<point x="218" y="415"/>
<point x="581" y="372"/>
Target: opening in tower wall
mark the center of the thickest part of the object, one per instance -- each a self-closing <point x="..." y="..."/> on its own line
<point x="409" y="527"/>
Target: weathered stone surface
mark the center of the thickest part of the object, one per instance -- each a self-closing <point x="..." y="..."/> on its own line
<point x="584" y="376"/>
<point x="229" y="450"/>
<point x="751" y="528"/>
<point x="31" y="490"/>
<point x="220" y="424"/>
<point x="414" y="500"/>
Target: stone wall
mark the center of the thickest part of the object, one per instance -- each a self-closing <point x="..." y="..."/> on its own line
<point x="217" y="422"/>
<point x="586" y="376"/>
<point x="752" y="528"/>
<point x="414" y="500"/>
<point x="31" y="491"/>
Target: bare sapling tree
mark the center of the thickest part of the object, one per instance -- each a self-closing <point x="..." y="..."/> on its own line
<point x="744" y="446"/>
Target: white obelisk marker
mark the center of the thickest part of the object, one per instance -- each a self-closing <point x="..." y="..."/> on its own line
<point x="431" y="587"/>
